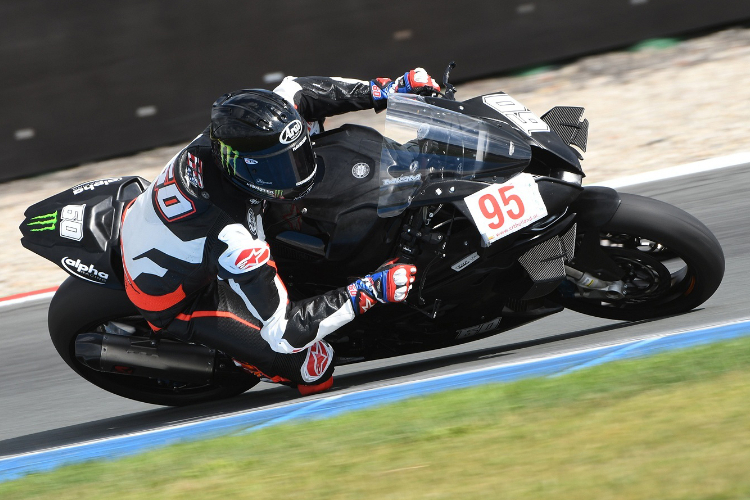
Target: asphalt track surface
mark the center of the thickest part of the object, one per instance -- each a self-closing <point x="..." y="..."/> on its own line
<point x="44" y="404"/>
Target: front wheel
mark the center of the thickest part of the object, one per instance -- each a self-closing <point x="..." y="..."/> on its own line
<point x="79" y="307"/>
<point x="668" y="262"/>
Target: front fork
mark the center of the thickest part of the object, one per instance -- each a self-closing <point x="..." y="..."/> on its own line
<point x="591" y="287"/>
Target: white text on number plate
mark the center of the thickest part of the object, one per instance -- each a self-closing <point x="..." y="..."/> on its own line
<point x="501" y="209"/>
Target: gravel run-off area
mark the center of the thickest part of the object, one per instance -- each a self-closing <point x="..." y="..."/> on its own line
<point x="659" y="106"/>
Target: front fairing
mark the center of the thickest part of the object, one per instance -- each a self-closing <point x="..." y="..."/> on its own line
<point x="430" y="144"/>
<point x="500" y="106"/>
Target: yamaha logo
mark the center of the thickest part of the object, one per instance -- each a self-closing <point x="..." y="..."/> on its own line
<point x="361" y="170"/>
<point x="291" y="132"/>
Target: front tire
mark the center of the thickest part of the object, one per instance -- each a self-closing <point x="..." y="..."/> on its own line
<point x="79" y="307"/>
<point x="671" y="262"/>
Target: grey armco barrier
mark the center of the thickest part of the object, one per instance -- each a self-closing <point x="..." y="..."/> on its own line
<point x="82" y="80"/>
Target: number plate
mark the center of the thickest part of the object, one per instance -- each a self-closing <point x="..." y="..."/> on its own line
<point x="501" y="209"/>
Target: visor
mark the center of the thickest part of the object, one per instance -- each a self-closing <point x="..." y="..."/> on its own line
<point x="287" y="174"/>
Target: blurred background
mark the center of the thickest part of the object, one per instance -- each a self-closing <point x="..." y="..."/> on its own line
<point x="83" y="81"/>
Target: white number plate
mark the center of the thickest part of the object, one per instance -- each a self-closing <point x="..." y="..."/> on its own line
<point x="501" y="209"/>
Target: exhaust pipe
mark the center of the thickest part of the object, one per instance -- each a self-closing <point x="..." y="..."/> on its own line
<point x="144" y="357"/>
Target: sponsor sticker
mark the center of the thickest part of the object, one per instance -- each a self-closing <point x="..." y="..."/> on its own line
<point x="402" y="180"/>
<point x="317" y="361"/>
<point x="463" y="263"/>
<point x="516" y="112"/>
<point x="365" y="303"/>
<point x="90" y="186"/>
<point x="251" y="222"/>
<point x="86" y="272"/>
<point x="194" y="171"/>
<point x="478" y="329"/>
<point x="71" y="223"/>
<point x="250" y="258"/>
<point x="46" y="222"/>
<point x="299" y="144"/>
<point x="244" y="252"/>
<point x="502" y="209"/>
<point x="291" y="132"/>
<point x="361" y="170"/>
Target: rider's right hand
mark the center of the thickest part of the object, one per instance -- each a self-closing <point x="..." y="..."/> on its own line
<point x="390" y="283"/>
<point x="417" y="81"/>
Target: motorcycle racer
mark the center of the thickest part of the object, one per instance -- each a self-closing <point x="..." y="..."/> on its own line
<point x="194" y="254"/>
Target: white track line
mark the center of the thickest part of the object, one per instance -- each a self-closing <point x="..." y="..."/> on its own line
<point x="33" y="296"/>
<point x="678" y="171"/>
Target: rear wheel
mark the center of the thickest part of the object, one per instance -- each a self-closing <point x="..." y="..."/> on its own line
<point x="668" y="262"/>
<point x="78" y="307"/>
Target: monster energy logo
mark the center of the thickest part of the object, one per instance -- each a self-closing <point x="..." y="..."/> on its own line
<point x="48" y="221"/>
<point x="278" y="193"/>
<point x="228" y="157"/>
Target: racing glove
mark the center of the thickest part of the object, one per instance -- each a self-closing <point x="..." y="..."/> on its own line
<point x="390" y="283"/>
<point x="416" y="81"/>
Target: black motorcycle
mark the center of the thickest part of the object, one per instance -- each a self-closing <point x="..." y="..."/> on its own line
<point x="482" y="195"/>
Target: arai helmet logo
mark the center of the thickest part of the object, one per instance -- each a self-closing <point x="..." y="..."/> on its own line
<point x="250" y="161"/>
<point x="291" y="132"/>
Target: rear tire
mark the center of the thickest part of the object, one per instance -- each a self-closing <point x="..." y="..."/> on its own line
<point x="673" y="262"/>
<point x="79" y="307"/>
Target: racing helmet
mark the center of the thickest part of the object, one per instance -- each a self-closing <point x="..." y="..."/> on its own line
<point x="261" y="144"/>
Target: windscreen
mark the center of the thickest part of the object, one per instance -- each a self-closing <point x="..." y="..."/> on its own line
<point x="426" y="142"/>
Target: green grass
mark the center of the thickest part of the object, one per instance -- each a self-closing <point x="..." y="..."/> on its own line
<point x="674" y="425"/>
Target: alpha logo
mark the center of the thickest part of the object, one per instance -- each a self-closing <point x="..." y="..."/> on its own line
<point x="319" y="357"/>
<point x="251" y="258"/>
<point x="90" y="186"/>
<point x="361" y="170"/>
<point x="46" y="222"/>
<point x="83" y="271"/>
<point x="291" y="132"/>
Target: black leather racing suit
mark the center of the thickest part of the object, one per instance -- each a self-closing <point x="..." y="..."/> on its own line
<point x="196" y="262"/>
